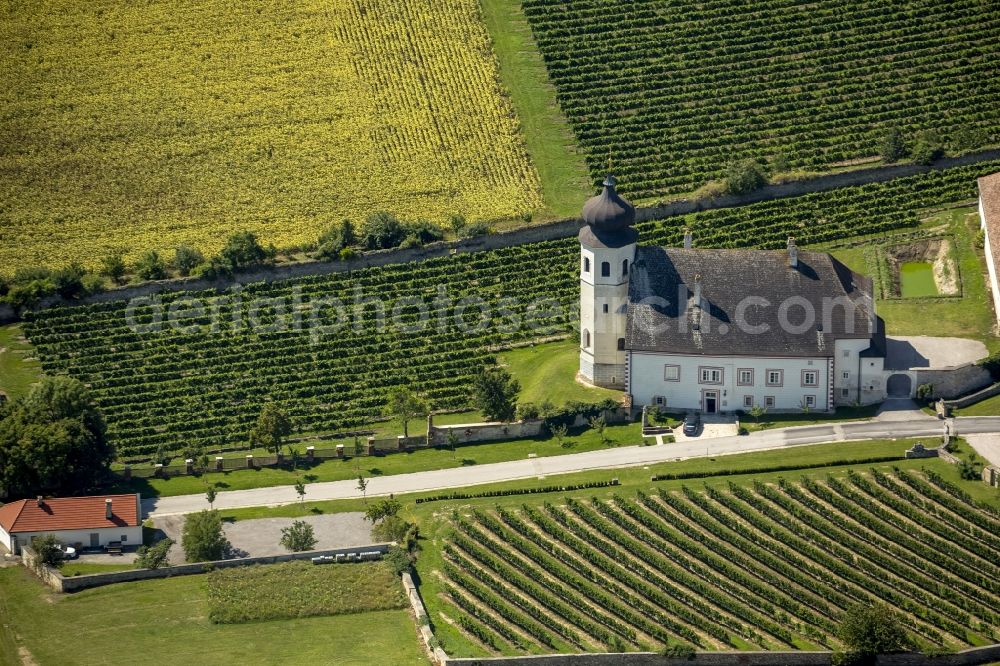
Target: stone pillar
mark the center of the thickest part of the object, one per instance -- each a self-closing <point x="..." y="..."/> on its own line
<point x="340" y="450"/>
<point x="400" y="443"/>
<point x="218" y="464"/>
<point x="430" y="429"/>
<point x="189" y="466"/>
<point x="250" y="461"/>
<point x="279" y="458"/>
<point x="371" y="446"/>
<point x="310" y="453"/>
<point x="159" y="469"/>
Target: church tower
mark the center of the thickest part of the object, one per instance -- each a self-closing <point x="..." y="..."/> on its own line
<point x="607" y="251"/>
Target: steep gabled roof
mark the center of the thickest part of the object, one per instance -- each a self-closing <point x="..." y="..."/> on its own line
<point x="661" y="316"/>
<point x="69" y="513"/>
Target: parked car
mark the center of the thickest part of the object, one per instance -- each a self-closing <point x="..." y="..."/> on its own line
<point x="692" y="422"/>
<point x="68" y="552"/>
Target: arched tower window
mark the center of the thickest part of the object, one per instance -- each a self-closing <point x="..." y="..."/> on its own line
<point x="586" y="339"/>
<point x="624" y="267"/>
<point x="621" y="344"/>
<point x="605" y="269"/>
<point x="586" y="264"/>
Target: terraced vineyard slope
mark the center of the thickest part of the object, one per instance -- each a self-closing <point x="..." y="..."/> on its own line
<point x="675" y="90"/>
<point x="136" y="127"/>
<point x="771" y="566"/>
<point x="185" y="385"/>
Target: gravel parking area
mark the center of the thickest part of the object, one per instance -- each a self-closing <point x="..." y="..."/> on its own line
<point x="262" y="536"/>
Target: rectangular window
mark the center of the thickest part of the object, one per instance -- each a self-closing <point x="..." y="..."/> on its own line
<point x="846" y="375"/>
<point x="660" y="400"/>
<point x="710" y="375"/>
<point x="124" y="538"/>
<point x="769" y="401"/>
<point x="748" y="401"/>
<point x="672" y="373"/>
<point x="845" y="392"/>
<point x="775" y="377"/>
<point x="744" y="377"/>
<point x="810" y="378"/>
<point x="605" y="308"/>
<point x="810" y="401"/>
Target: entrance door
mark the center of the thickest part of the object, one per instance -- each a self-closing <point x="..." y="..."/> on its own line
<point x="711" y="402"/>
<point x="95" y="540"/>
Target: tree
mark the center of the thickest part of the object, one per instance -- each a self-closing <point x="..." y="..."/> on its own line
<point x="210" y="495"/>
<point x="383" y="509"/>
<point x="599" y="423"/>
<point x="745" y="176"/>
<point x="242" y="250"/>
<point x="756" y="412"/>
<point x="155" y="556"/>
<point x="391" y="528"/>
<point x="927" y="148"/>
<point x="452" y="442"/>
<point x="559" y="432"/>
<point x="299" y="536"/>
<point x="358" y="452"/>
<point x="405" y="405"/>
<point x="363" y="488"/>
<point x="53" y="440"/>
<point x="423" y="232"/>
<point x="382" y="231"/>
<point x="202" y="538"/>
<point x="48" y="549"/>
<point x="271" y="428"/>
<point x="871" y="629"/>
<point x="892" y="148"/>
<point x="187" y="258"/>
<point x="335" y="239"/>
<point x="495" y="394"/>
<point x="150" y="266"/>
<point x="69" y="281"/>
<point x="300" y="489"/>
<point x="457" y="223"/>
<point x="113" y="266"/>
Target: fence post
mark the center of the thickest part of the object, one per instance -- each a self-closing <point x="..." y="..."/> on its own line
<point x="340" y="450"/>
<point x="310" y="453"/>
<point x="371" y="446"/>
<point x="159" y="470"/>
<point x="400" y="443"/>
<point x="189" y="466"/>
<point x="218" y="463"/>
<point x="249" y="461"/>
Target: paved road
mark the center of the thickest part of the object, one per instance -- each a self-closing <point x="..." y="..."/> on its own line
<point x="626" y="456"/>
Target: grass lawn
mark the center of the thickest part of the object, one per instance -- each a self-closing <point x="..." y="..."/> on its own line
<point x="76" y="568"/>
<point x="548" y="372"/>
<point x="768" y="421"/>
<point x="19" y="368"/>
<point x="548" y="137"/>
<point x="988" y="407"/>
<point x="168" y="619"/>
<point x="968" y="317"/>
<point x="580" y="439"/>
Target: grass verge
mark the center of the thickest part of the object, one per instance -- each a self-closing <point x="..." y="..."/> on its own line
<point x="19" y="368"/>
<point x="547" y="372"/>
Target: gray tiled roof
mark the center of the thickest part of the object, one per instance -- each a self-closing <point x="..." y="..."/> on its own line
<point x="727" y="278"/>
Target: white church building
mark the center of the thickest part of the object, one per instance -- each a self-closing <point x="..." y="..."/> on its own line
<point x="722" y="330"/>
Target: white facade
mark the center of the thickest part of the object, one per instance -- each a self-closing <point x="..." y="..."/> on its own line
<point x="604" y="279"/>
<point x="730" y="383"/>
<point x="990" y="264"/>
<point x="96" y="538"/>
<point x="857" y="379"/>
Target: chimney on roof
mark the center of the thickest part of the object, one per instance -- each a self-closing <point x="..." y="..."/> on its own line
<point x="697" y="291"/>
<point x="107" y="508"/>
<point x="793" y="253"/>
<point x="40" y="501"/>
<point x="688" y="239"/>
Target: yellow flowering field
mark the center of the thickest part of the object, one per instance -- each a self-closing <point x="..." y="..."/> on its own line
<point x="130" y="126"/>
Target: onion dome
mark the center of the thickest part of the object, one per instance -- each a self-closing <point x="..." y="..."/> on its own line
<point x="608" y="219"/>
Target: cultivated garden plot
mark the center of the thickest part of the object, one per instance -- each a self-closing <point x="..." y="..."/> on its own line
<point x="767" y="566"/>
<point x="130" y="128"/>
<point x="675" y="90"/>
<point x="204" y="388"/>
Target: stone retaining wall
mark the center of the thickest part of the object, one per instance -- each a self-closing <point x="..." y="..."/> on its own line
<point x="952" y="382"/>
<point x="973" y="398"/>
<point x="61" y="583"/>
<point x="971" y="657"/>
<point x="423" y="622"/>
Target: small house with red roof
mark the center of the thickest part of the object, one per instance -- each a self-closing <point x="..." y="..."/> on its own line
<point x="92" y="522"/>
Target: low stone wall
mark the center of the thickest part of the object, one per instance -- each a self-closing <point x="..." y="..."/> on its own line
<point x="61" y="583"/>
<point x="423" y="622"/>
<point x="973" y="398"/>
<point x="971" y="657"/>
<point x="950" y="383"/>
<point x="469" y="433"/>
<point x="991" y="476"/>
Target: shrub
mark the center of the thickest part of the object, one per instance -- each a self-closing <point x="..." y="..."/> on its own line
<point x="399" y="560"/>
<point x="155" y="556"/>
<point x="298" y="537"/>
<point x="187" y="258"/>
<point x="242" y="250"/>
<point x="392" y="528"/>
<point x="383" y="509"/>
<point x="678" y="651"/>
<point x="892" y="148"/>
<point x="113" y="266"/>
<point x="382" y="231"/>
<point x="477" y="229"/>
<point x="48" y="549"/>
<point x="424" y="232"/>
<point x="150" y="266"/>
<point x="336" y="239"/>
<point x="744" y="177"/>
<point x="528" y="411"/>
<point x="203" y="539"/>
<point x="925" y="391"/>
<point x="870" y="629"/>
<point x="927" y="148"/>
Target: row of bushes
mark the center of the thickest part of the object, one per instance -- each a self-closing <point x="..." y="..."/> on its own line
<point x="565" y="415"/>
<point x="774" y="468"/>
<point x="518" y="491"/>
